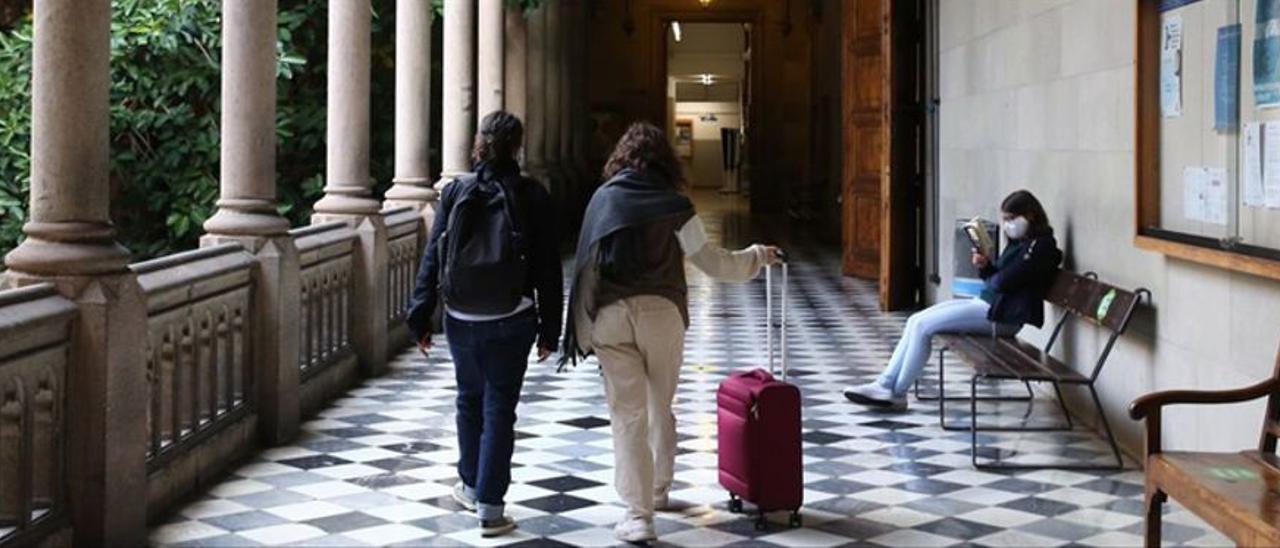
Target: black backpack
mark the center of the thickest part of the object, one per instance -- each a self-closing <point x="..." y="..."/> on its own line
<point x="486" y="259"/>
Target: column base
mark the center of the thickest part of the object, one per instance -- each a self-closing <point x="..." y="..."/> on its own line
<point x="68" y="249"/>
<point x="449" y="177"/>
<point x="405" y="190"/>
<point x="342" y="200"/>
<point x="260" y="219"/>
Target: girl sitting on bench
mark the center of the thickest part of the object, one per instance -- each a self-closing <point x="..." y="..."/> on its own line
<point x="1013" y="295"/>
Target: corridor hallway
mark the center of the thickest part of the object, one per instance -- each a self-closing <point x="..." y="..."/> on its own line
<point x="376" y="467"/>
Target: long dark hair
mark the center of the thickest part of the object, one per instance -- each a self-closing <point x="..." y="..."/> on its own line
<point x="498" y="138"/>
<point x="644" y="147"/>
<point x="1023" y="203"/>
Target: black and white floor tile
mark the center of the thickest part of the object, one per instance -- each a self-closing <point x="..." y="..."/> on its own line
<point x="376" y="467"/>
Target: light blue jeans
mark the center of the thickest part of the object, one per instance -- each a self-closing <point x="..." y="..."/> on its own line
<point x="916" y="345"/>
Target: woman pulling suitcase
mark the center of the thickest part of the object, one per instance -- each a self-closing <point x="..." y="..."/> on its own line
<point x="629" y="306"/>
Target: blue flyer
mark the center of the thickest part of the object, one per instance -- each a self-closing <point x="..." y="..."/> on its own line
<point x="1226" y="80"/>
<point x="1266" y="55"/>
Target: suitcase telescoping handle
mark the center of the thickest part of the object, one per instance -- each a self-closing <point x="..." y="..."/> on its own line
<point x="768" y="315"/>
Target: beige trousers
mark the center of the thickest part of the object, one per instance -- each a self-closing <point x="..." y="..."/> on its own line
<point x="640" y="344"/>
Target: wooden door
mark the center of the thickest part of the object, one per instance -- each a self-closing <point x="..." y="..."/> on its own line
<point x="902" y="272"/>
<point x="883" y="47"/>
<point x="864" y="45"/>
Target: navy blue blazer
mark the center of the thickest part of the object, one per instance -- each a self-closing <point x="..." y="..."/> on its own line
<point x="1018" y="282"/>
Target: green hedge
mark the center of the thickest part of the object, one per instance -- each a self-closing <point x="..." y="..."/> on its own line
<point x="164" y="117"/>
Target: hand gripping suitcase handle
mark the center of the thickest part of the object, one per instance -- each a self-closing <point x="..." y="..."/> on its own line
<point x="768" y="303"/>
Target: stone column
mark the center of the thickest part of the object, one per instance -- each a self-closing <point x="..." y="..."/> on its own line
<point x="489" y="58"/>
<point x="568" y="48"/>
<point x="459" y="89"/>
<point x="582" y="124"/>
<point x="412" y="184"/>
<point x="247" y="209"/>
<point x="535" y="150"/>
<point x="348" y="188"/>
<point x="552" y="84"/>
<point x="515" y="52"/>
<point x="71" y="243"/>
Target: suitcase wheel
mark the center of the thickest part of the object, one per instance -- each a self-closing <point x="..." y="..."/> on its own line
<point x="735" y="504"/>
<point x="795" y="520"/>
<point x="761" y="523"/>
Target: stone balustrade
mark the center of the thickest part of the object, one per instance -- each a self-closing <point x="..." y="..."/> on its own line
<point x="405" y="242"/>
<point x="326" y="358"/>
<point x="199" y="366"/>
<point x="35" y="331"/>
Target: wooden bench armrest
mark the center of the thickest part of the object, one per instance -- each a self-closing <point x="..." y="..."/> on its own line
<point x="1146" y="405"/>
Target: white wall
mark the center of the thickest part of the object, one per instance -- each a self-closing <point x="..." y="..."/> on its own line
<point x="1039" y="94"/>
<point x="706" y="169"/>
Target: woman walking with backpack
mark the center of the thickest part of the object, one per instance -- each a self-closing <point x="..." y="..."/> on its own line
<point x="497" y="270"/>
<point x="629" y="305"/>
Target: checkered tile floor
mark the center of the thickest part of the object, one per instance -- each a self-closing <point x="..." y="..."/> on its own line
<point x="376" y="467"/>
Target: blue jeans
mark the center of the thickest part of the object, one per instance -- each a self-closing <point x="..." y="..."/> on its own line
<point x="916" y="344"/>
<point x="490" y="359"/>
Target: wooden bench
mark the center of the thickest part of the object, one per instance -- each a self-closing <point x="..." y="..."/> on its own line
<point x="1236" y="493"/>
<point x="999" y="359"/>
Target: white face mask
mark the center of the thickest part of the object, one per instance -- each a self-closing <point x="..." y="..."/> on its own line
<point x="1016" y="228"/>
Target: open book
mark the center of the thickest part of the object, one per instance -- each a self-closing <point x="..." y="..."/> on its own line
<point x="979" y="235"/>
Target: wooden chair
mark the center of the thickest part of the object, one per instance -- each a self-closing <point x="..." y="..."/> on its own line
<point x="999" y="359"/>
<point x="1236" y="493"/>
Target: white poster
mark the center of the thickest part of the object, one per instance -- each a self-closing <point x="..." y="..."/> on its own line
<point x="1171" y="66"/>
<point x="1271" y="164"/>
<point x="1253" y="193"/>
<point x="1215" y="196"/>
<point x="1194" y="180"/>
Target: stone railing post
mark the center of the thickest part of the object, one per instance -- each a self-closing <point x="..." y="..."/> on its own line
<point x="348" y="189"/>
<point x="412" y="185"/>
<point x="71" y="243"/>
<point x="247" y="210"/>
<point x="458" y="103"/>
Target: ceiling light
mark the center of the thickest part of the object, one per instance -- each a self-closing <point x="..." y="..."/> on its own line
<point x="675" y="30"/>
<point x="705" y="3"/>
<point x="705" y="79"/>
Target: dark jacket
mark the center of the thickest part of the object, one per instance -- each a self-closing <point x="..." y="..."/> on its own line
<point x="628" y="210"/>
<point x="545" y="281"/>
<point x="1017" y="283"/>
<point x="644" y="260"/>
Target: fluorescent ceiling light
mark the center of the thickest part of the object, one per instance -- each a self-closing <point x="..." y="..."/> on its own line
<point x="675" y="30"/>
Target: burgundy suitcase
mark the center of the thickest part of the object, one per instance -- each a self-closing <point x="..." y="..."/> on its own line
<point x="759" y="430"/>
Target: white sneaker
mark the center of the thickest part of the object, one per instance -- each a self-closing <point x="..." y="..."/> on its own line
<point x="876" y="396"/>
<point x="635" y="530"/>
<point x="460" y="496"/>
